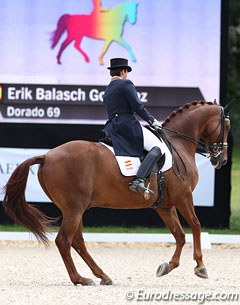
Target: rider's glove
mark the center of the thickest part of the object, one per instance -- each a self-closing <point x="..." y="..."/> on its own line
<point x="156" y="124"/>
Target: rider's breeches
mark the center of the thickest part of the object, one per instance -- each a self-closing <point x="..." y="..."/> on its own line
<point x="150" y="141"/>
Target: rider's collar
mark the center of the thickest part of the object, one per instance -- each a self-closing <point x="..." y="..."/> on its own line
<point x="116" y="77"/>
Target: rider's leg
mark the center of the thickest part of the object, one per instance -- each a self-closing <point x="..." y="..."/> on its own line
<point x="145" y="169"/>
<point x="151" y="144"/>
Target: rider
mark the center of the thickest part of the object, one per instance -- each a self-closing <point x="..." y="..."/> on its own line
<point x="98" y="7"/>
<point x="128" y="136"/>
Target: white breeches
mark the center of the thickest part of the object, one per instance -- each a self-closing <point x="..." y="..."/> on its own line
<point x="150" y="140"/>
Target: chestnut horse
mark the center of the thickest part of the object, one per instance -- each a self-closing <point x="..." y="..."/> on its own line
<point x="79" y="175"/>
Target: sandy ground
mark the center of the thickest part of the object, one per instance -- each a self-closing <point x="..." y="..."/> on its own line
<point x="30" y="274"/>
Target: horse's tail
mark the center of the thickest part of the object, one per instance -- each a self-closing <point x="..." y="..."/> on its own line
<point x="61" y="27"/>
<point x="15" y="204"/>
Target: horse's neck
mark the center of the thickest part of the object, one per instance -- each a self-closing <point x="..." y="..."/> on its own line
<point x="192" y="122"/>
<point x="114" y="13"/>
<point x="184" y="124"/>
<point x="121" y="10"/>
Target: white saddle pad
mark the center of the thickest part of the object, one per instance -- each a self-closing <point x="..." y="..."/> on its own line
<point x="129" y="165"/>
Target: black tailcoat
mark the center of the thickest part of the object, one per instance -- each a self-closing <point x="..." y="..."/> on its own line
<point x="122" y="104"/>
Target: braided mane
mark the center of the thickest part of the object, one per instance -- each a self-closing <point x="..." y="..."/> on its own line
<point x="184" y="107"/>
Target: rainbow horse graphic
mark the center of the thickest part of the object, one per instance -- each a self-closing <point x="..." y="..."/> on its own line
<point x="107" y="25"/>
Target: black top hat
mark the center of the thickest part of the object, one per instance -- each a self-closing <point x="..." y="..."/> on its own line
<point x="116" y="63"/>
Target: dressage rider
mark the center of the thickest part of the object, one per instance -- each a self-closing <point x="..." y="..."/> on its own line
<point x="97" y="4"/>
<point x="128" y="136"/>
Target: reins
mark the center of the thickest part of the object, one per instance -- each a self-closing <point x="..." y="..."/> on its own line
<point x="161" y="135"/>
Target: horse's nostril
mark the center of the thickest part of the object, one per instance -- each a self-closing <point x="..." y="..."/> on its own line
<point x="214" y="161"/>
<point x="224" y="162"/>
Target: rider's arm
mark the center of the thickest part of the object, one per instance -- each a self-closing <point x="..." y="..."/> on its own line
<point x="135" y="104"/>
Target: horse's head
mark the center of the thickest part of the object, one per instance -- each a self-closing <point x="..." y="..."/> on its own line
<point x="204" y="124"/>
<point x="130" y="10"/>
<point x="217" y="135"/>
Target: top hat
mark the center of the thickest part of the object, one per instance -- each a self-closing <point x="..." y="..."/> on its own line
<point x="116" y="63"/>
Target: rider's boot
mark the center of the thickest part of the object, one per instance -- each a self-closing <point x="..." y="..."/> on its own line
<point x="145" y="169"/>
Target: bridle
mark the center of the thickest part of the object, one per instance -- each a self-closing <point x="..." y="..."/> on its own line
<point x="211" y="150"/>
<point x="215" y="149"/>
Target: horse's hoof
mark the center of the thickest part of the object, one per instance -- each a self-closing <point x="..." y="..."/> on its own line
<point x="201" y="272"/>
<point x="106" y="283"/>
<point x="162" y="269"/>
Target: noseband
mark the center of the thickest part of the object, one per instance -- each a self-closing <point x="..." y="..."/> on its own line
<point x="215" y="149"/>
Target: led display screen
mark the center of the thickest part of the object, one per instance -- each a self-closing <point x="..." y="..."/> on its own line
<point x="55" y="54"/>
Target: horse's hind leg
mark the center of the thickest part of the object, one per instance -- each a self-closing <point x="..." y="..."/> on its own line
<point x="62" y="48"/>
<point x="64" y="240"/>
<point x="79" y="245"/>
<point x="171" y="220"/>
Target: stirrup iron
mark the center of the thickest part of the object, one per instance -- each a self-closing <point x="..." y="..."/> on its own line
<point x="147" y="193"/>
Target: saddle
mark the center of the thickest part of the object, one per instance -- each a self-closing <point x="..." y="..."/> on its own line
<point x="156" y="169"/>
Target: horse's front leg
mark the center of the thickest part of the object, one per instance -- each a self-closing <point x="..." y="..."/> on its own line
<point x="188" y="212"/>
<point x="171" y="220"/>
<point x="104" y="50"/>
<point x="127" y="46"/>
<point x="79" y="245"/>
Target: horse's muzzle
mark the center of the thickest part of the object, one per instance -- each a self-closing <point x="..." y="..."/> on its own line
<point x="218" y="162"/>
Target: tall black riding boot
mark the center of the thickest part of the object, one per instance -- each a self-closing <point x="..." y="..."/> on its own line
<point x="145" y="170"/>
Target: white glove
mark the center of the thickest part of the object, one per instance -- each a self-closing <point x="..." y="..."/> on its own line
<point x="156" y="124"/>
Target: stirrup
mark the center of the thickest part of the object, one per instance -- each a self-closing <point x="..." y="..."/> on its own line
<point x="139" y="187"/>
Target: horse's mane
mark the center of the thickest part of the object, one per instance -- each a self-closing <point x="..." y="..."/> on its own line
<point x="184" y="107"/>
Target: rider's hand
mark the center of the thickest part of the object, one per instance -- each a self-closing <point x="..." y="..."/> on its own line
<point x="156" y="124"/>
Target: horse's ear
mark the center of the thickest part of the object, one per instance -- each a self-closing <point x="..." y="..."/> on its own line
<point x="229" y="107"/>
